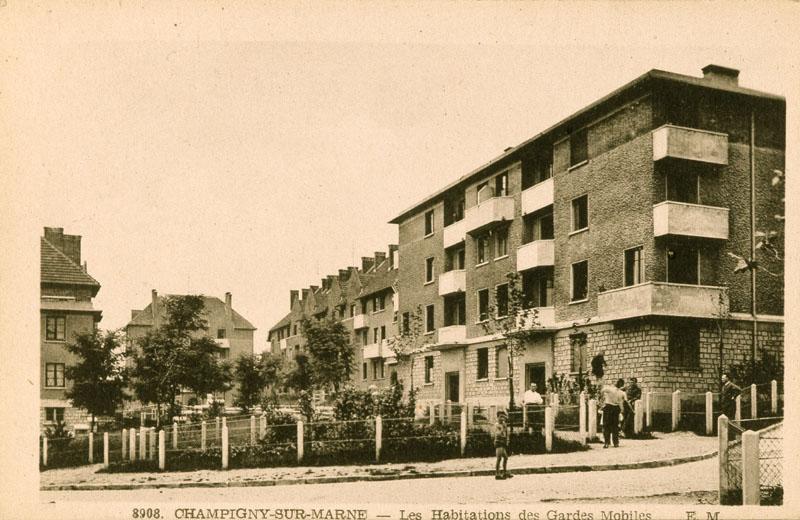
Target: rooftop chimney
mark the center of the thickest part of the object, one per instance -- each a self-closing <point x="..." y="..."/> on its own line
<point x="228" y="315"/>
<point x="380" y="256"/>
<point x="154" y="308"/>
<point x="721" y="75"/>
<point x="367" y="263"/>
<point x="344" y="275"/>
<point x="314" y="288"/>
<point x="324" y="283"/>
<point x="393" y="255"/>
<point x="292" y="297"/>
<point x="304" y="292"/>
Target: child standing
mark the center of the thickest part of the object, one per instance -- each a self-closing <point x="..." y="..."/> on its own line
<point x="501" y="446"/>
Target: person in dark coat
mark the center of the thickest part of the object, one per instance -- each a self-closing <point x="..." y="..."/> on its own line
<point x="727" y="399"/>
<point x="632" y="394"/>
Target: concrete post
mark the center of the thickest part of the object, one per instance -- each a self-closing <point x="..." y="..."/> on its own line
<point x="753" y="401"/>
<point x="262" y="426"/>
<point x="463" y="431"/>
<point x="203" y="435"/>
<point x="225" y="447"/>
<point x="722" y="434"/>
<point x="252" y="429"/>
<point x="105" y="449"/>
<point x="44" y="451"/>
<point x="142" y="443"/>
<point x="592" y="419"/>
<point x="470" y="414"/>
<point x="217" y="430"/>
<point x="638" y="417"/>
<point x="751" y="493"/>
<point x="738" y="416"/>
<point x="152" y="449"/>
<point x="556" y="404"/>
<point x="378" y="437"/>
<point x="709" y="413"/>
<point x="448" y="411"/>
<point x="582" y="417"/>
<point x="175" y="435"/>
<point x="648" y="409"/>
<point x="132" y="444"/>
<point x="300" y="446"/>
<point x="141" y="417"/>
<point x="676" y="409"/>
<point x="774" y="397"/>
<point x="432" y="408"/>
<point x="493" y="413"/>
<point x="91" y="447"/>
<point x="162" y="450"/>
<point x="548" y="428"/>
<point x="124" y="443"/>
<point x="524" y="416"/>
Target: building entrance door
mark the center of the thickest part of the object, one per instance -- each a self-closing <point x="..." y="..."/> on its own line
<point x="535" y="373"/>
<point x="451" y="387"/>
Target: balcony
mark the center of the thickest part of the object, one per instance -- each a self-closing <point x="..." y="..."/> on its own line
<point x="359" y="321"/>
<point x="386" y="351"/>
<point x="538" y="253"/>
<point x="488" y="212"/>
<point x="537" y="196"/>
<point x="691" y="220"/>
<point x="452" y="282"/>
<point x="545" y="318"/>
<point x="454" y="233"/>
<point x="282" y="344"/>
<point x="453" y="334"/>
<point x="690" y="144"/>
<point x="223" y="343"/>
<point x="373" y="350"/>
<point x="661" y="299"/>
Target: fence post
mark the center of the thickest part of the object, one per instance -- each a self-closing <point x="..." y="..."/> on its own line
<point x="556" y="403"/>
<point x="252" y="429"/>
<point x="648" y="409"/>
<point x="262" y="424"/>
<point x="751" y="493"/>
<point x="722" y="434"/>
<point x="470" y="414"/>
<point x="132" y="444"/>
<point x="175" y="435"/>
<point x="463" y="432"/>
<point x="582" y="417"/>
<point x="753" y="401"/>
<point x="203" y="434"/>
<point x="378" y="437"/>
<point x="709" y="413"/>
<point x="432" y="408"/>
<point x="300" y="441"/>
<point x="225" y="446"/>
<point x="638" y="417"/>
<point x="548" y="428"/>
<point x="152" y="435"/>
<point x="676" y="409"/>
<point x="44" y="451"/>
<point x="142" y="443"/>
<point x="774" y="397"/>
<point x="162" y="450"/>
<point x="592" y="419"/>
<point x="124" y="443"/>
<point x="105" y="449"/>
<point x="216" y="428"/>
<point x="738" y="412"/>
<point x="91" y="447"/>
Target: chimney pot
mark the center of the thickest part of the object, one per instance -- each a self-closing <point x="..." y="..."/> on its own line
<point x="292" y="297"/>
<point x="721" y="75"/>
<point x="154" y="308"/>
<point x="367" y="263"/>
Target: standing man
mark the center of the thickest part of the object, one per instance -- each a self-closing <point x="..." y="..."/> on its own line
<point x="730" y="391"/>
<point x="632" y="394"/>
<point x="532" y="401"/>
<point x="614" y="399"/>
<point x="501" y="446"/>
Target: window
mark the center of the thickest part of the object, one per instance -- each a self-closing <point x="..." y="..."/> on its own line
<point x="381" y="368"/>
<point x="364" y="336"/>
<point x="501" y="185"/>
<point x="429" y="223"/>
<point x="55" y="328"/>
<point x="352" y="309"/>
<point x="394" y="317"/>
<point x="383" y="331"/>
<point x="429" y="323"/>
<point x="683" y="265"/>
<point x="537" y="288"/>
<point x="54" y="375"/>
<point x="455" y="310"/>
<point x="220" y="333"/>
<point x="684" y="345"/>
<point x="634" y="267"/>
<point x="378" y="303"/>
<point x="428" y="369"/>
<point x="483" y="304"/>
<point x="406" y="323"/>
<point x="502" y="243"/>
<point x="483" y="363"/>
<point x="375" y="337"/>
<point x="484" y="192"/>
<point x="295" y="329"/>
<point x="455" y="259"/>
<point x="364" y="370"/>
<point x="501" y="297"/>
<point x="482" y="248"/>
<point x="580" y="281"/>
<point x="453" y="210"/>
<point x="578" y="147"/>
<point x="683" y="186"/>
<point x="428" y="270"/>
<point x="55" y="415"/>
<point x="501" y="362"/>
<point x="580" y="213"/>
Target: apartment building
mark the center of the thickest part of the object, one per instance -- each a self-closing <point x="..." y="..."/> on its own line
<point x="232" y="332"/>
<point x="66" y="310"/>
<point x="622" y="221"/>
<point x="365" y="301"/>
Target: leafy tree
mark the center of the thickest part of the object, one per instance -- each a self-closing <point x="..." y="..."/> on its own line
<point x="252" y="380"/>
<point x="405" y="344"/>
<point x="178" y="355"/>
<point x="330" y="352"/>
<point x="99" y="377"/>
<point x="299" y="378"/>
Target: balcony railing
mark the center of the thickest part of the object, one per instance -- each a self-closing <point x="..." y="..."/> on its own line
<point x="537" y="196"/>
<point x="282" y="344"/>
<point x="373" y="350"/>
<point x="690" y="144"/>
<point x="453" y="334"/>
<point x="359" y="321"/>
<point x="538" y="253"/>
<point x="545" y="317"/>
<point x="662" y="299"/>
<point x="452" y="282"/>
<point x="692" y="220"/>
<point x="488" y="212"/>
<point x="454" y="233"/>
<point x="223" y="342"/>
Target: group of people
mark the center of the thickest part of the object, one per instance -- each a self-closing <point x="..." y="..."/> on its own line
<point x="619" y="401"/>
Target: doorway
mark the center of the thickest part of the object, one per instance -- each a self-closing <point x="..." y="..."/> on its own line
<point x="683" y="265"/>
<point x="535" y="373"/>
<point x="451" y="387"/>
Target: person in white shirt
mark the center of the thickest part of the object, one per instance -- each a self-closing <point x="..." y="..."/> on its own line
<point x="531" y="396"/>
<point x="614" y="399"/>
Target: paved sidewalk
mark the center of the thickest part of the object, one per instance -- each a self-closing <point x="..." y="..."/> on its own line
<point x="666" y="449"/>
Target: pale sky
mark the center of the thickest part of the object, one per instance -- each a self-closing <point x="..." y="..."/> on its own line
<point x="256" y="151"/>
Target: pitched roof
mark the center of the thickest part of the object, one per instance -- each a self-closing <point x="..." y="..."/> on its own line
<point x="380" y="279"/>
<point x="58" y="268"/>
<point x="284" y="322"/>
<point x="213" y="305"/>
